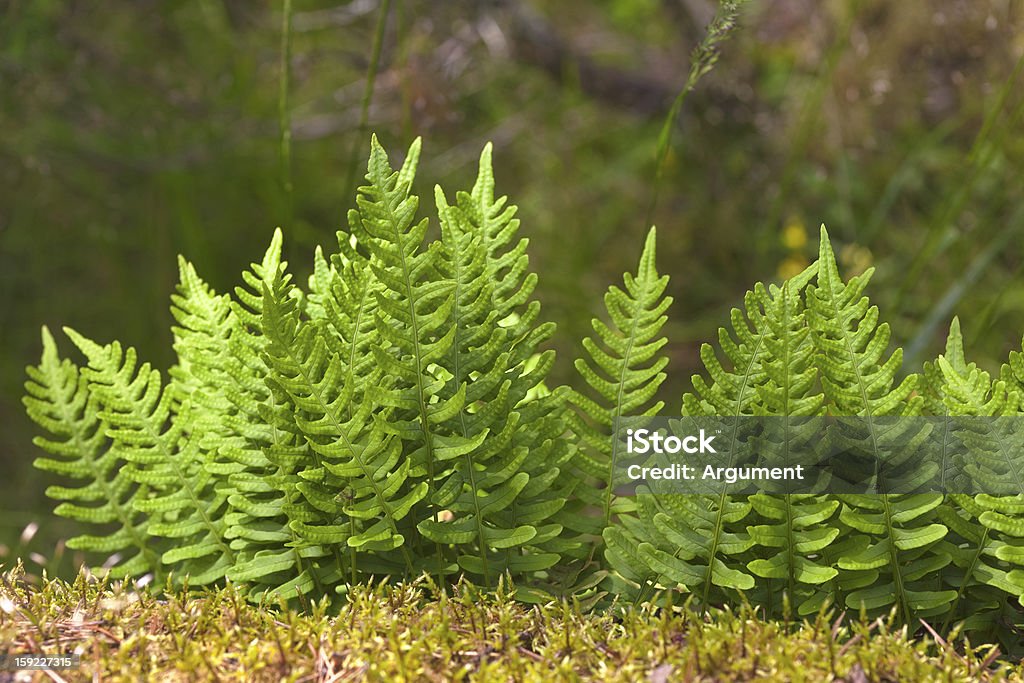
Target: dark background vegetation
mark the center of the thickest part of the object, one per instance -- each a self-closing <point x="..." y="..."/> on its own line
<point x="134" y="131"/>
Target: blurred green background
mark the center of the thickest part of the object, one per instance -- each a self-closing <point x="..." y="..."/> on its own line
<point x="135" y="131"/>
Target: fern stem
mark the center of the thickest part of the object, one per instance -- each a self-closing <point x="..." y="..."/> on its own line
<point x="724" y="496"/>
<point x="901" y="595"/>
<point x="787" y="359"/>
<point x="963" y="584"/>
<point x="424" y="415"/>
<point x="457" y="374"/>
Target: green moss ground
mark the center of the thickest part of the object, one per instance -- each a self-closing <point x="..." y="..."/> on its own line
<point x="410" y="632"/>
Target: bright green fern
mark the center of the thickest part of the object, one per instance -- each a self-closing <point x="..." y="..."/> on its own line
<point x="394" y="417"/>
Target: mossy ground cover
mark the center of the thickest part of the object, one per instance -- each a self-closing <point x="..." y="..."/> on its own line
<point x="411" y="632"/>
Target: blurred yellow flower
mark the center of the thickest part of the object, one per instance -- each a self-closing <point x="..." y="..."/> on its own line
<point x="794" y="234"/>
<point x="791" y="266"/>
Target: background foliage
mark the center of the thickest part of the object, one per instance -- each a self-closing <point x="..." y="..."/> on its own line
<point x="138" y="133"/>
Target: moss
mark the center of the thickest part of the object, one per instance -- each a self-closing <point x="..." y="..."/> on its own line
<point x="410" y="632"/>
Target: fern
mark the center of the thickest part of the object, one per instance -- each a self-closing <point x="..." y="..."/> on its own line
<point x="508" y="460"/>
<point x="896" y="549"/>
<point x="163" y="455"/>
<point x="699" y="542"/>
<point x="869" y="551"/>
<point x="412" y="310"/>
<point x="394" y="417"/>
<point x="349" y="491"/>
<point x="59" y="400"/>
<point x="457" y="377"/>
<point x="204" y="326"/>
<point x="984" y="554"/>
<point x="623" y="373"/>
<point x="540" y="430"/>
<point x="795" y="529"/>
<point x="259" y="461"/>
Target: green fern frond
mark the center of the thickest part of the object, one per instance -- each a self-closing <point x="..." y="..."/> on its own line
<point x="952" y="386"/>
<point x="541" y="428"/>
<point x="59" y="400"/>
<point x="793" y="529"/>
<point x="499" y="494"/>
<point x="413" y="317"/>
<point x="978" y="543"/>
<point x="768" y="372"/>
<point x="903" y="550"/>
<point x="353" y="492"/>
<point x="624" y="369"/>
<point x="259" y="450"/>
<point x="494" y="223"/>
<point x="349" y="304"/>
<point x="204" y="322"/>
<point x="699" y="542"/>
<point x="163" y="456"/>
<point x="851" y="345"/>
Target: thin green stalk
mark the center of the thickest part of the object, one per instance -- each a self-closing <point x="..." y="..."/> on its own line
<point x="402" y="20"/>
<point x="810" y="110"/>
<point x="943" y="307"/>
<point x="942" y="233"/>
<point x="703" y="61"/>
<point x="283" y="116"/>
<point x="364" y="112"/>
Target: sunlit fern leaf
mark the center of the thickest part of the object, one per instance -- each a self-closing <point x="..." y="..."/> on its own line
<point x="498" y="516"/>
<point x="321" y="280"/>
<point x="507" y="263"/>
<point x="983" y="553"/>
<point x="541" y="409"/>
<point x="350" y="307"/>
<point x="793" y="529"/>
<point x="413" y="319"/>
<point x="163" y="455"/>
<point x="257" y="456"/>
<point x="851" y="344"/>
<point x="958" y="388"/>
<point x="932" y="381"/>
<point x="858" y="379"/>
<point x="58" y="400"/>
<point x="623" y="369"/>
<point x="354" y="492"/>
<point x="204" y="323"/>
